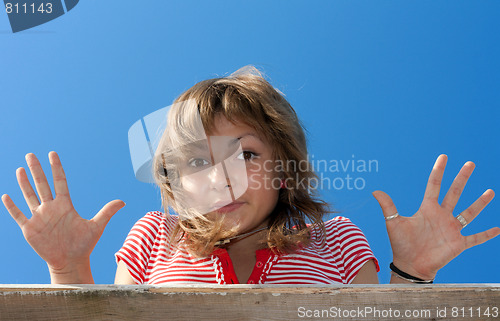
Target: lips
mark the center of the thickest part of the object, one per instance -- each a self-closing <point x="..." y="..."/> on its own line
<point x="229" y="207"/>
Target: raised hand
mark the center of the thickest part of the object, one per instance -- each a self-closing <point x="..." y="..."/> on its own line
<point x="428" y="240"/>
<point x="55" y="230"/>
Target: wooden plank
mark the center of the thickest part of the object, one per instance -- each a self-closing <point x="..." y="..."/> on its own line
<point x="250" y="302"/>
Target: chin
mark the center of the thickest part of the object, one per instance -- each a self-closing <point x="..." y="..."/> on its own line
<point x="231" y="222"/>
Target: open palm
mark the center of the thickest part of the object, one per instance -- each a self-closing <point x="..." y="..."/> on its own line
<point x="55" y="230"/>
<point x="425" y="242"/>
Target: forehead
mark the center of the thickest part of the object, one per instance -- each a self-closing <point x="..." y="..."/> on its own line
<point x="224" y="127"/>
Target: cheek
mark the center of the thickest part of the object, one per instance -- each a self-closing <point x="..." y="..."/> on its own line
<point x="264" y="188"/>
<point x="189" y="197"/>
<point x="192" y="187"/>
<point x="267" y="181"/>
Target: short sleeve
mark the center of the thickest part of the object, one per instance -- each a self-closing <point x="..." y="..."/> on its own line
<point x="136" y="250"/>
<point x="350" y="246"/>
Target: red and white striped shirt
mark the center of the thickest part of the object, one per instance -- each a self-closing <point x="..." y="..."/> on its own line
<point x="151" y="260"/>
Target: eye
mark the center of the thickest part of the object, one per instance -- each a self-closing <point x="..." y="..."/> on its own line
<point x="247" y="155"/>
<point x="197" y="162"/>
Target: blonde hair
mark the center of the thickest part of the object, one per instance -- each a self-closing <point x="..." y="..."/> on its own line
<point x="247" y="97"/>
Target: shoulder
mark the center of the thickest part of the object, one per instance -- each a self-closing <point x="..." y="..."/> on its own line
<point x="158" y="217"/>
<point x="347" y="243"/>
<point x="340" y="233"/>
<point x="142" y="241"/>
<point x="342" y="225"/>
<point x="337" y="226"/>
<point x="154" y="221"/>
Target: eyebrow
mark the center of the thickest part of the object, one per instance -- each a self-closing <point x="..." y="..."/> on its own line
<point x="199" y="144"/>
<point x="234" y="141"/>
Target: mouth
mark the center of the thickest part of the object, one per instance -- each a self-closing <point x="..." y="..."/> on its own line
<point x="229" y="207"/>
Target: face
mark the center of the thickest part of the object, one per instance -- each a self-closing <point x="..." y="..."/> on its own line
<point x="233" y="180"/>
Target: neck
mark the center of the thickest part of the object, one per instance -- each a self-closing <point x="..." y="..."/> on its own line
<point x="238" y="237"/>
<point x="249" y="240"/>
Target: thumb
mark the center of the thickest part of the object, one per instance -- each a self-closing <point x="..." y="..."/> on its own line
<point x="104" y="215"/>
<point x="385" y="202"/>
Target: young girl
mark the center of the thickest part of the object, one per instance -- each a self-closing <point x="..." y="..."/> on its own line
<point x="231" y="165"/>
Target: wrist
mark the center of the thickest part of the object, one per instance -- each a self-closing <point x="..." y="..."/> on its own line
<point x="414" y="272"/>
<point x="75" y="273"/>
<point x="408" y="278"/>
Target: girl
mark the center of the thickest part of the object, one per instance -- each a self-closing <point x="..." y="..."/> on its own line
<point x="225" y="165"/>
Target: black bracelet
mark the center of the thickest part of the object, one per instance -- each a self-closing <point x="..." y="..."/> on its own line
<point x="408" y="277"/>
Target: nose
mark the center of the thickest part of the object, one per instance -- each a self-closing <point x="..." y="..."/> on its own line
<point x="218" y="178"/>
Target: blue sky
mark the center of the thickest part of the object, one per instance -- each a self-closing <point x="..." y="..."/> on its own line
<point x="399" y="82"/>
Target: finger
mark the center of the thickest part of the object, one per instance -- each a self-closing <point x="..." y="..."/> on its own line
<point x="60" y="183"/>
<point x="472" y="211"/>
<point x="386" y="203"/>
<point x="435" y="178"/>
<point x="27" y="189"/>
<point x="16" y="214"/>
<point x="479" y="238"/>
<point x="42" y="186"/>
<point x="102" y="218"/>
<point x="456" y="188"/>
